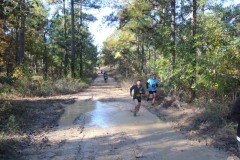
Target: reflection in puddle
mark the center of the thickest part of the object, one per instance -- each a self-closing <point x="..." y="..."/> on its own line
<point x="106" y="114"/>
<point x="99" y="115"/>
<point x="73" y="111"/>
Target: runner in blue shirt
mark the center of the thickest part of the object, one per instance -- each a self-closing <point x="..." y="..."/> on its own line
<point x="152" y="85"/>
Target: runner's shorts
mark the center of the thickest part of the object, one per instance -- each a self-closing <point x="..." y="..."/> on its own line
<point x="137" y="100"/>
<point x="151" y="92"/>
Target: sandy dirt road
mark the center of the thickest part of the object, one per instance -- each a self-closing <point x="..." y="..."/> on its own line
<point x="101" y="126"/>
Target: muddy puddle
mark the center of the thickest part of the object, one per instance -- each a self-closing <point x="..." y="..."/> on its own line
<point x="145" y="133"/>
<point x="106" y="114"/>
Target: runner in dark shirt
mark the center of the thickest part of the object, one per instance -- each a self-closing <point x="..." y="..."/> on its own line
<point x="105" y="77"/>
<point x="137" y="95"/>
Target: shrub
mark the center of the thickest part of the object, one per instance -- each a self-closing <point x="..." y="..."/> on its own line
<point x="39" y="87"/>
<point x="214" y="112"/>
<point x="7" y="80"/>
<point x="65" y="86"/>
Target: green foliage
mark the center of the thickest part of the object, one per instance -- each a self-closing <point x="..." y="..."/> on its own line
<point x="84" y="45"/>
<point x="7" y="80"/>
<point x="45" y="45"/>
<point x="142" y="45"/>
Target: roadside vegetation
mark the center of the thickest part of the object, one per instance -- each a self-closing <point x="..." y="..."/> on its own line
<point x="39" y="87"/>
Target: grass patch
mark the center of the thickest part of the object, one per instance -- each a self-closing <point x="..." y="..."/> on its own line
<point x="38" y="87"/>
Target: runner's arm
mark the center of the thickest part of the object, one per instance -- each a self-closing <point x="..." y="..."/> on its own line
<point x="131" y="91"/>
<point x="147" y="85"/>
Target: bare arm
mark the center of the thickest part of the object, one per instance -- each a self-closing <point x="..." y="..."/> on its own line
<point x="131" y="91"/>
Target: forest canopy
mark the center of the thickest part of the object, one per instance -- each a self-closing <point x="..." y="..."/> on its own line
<point x="191" y="45"/>
<point x="37" y="41"/>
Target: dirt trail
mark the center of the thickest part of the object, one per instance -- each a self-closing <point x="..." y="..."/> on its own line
<point x="100" y="126"/>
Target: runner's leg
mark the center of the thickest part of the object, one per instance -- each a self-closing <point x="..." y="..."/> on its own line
<point x="138" y="106"/>
<point x="135" y="103"/>
<point x="150" y="96"/>
<point x="154" y="98"/>
<point x="135" y="108"/>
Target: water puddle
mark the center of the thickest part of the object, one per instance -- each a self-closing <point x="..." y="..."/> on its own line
<point x="106" y="114"/>
<point x="73" y="111"/>
<point x="145" y="130"/>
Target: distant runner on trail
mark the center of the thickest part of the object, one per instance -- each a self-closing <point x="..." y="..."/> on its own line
<point x="235" y="114"/>
<point x="152" y="85"/>
<point x="105" y="76"/>
<point x="137" y="95"/>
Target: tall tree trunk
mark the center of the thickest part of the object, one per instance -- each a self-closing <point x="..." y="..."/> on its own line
<point x="173" y="48"/>
<point x="81" y="39"/>
<point x="21" y="47"/>
<point x="16" y="46"/>
<point x="46" y="64"/>
<point x="8" y="62"/>
<point x="36" y="64"/>
<point x="138" y="53"/>
<point x="193" y="50"/>
<point x="72" y="41"/>
<point x="65" y="41"/>
<point x="143" y="58"/>
<point x="45" y="59"/>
